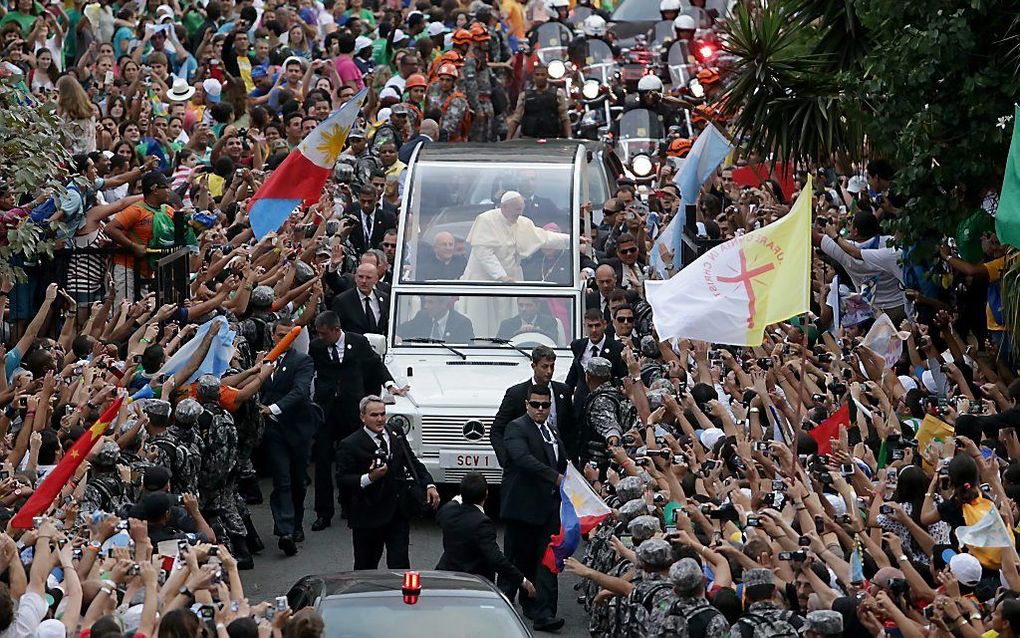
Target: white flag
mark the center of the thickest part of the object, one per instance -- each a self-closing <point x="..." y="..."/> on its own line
<point x="990" y="531"/>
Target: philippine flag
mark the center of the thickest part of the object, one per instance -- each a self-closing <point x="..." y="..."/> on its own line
<point x="301" y="176"/>
<point x="581" y="510"/>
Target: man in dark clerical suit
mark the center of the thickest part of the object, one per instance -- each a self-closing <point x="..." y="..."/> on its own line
<point x="469" y="536"/>
<point x="597" y="344"/>
<point x="291" y="421"/>
<point x="362" y="309"/>
<point x="543" y="366"/>
<point x="377" y="465"/>
<point x="528" y="319"/>
<point x="440" y="261"/>
<point x="530" y="504"/>
<point x="346" y="370"/>
<point x="374" y="219"/>
<point x="438" y="320"/>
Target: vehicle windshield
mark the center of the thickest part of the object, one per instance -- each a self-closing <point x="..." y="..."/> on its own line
<point x="446" y="616"/>
<point x="640" y="132"/>
<point x="467" y="320"/>
<point x="680" y="70"/>
<point x="457" y="229"/>
<point x="637" y="11"/>
<point x="662" y="31"/>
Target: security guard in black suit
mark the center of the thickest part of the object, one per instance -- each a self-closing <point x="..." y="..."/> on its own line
<point x="531" y="504"/>
<point x="377" y="465"/>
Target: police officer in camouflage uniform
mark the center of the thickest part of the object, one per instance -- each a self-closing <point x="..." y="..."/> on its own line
<point x="690" y="616"/>
<point x="606" y="414"/>
<point x="762" y="616"/>
<point x="652" y="594"/>
<point x="179" y="447"/>
<point x="445" y="95"/>
<point x="217" y="478"/>
<point x="598" y="552"/>
<point x="257" y="328"/>
<point x="651" y="362"/>
<point x="608" y="617"/>
<point x="104" y="491"/>
<point x="823" y="623"/>
<point x="363" y="156"/>
<point x="481" y="125"/>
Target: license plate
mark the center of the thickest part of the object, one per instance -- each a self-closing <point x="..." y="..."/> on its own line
<point x="633" y="72"/>
<point x="452" y="459"/>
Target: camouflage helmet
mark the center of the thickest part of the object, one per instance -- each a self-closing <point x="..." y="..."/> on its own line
<point x="107" y="456"/>
<point x="654" y="554"/>
<point x="644" y="527"/>
<point x="629" y="488"/>
<point x="632" y="509"/>
<point x="304" y="274"/>
<point x="650" y="347"/>
<point x="157" y="408"/>
<point x="825" y="622"/>
<point x="208" y="388"/>
<point x="262" y="297"/>
<point x="599" y="367"/>
<point x="188" y="411"/>
<point x="686" y="575"/>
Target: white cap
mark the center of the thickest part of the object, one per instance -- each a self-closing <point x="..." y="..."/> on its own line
<point x="303" y="62"/>
<point x="212" y="88"/>
<point x="684" y="22"/>
<point x="857" y="184"/>
<point x="908" y="383"/>
<point x="509" y="195"/>
<point x="361" y="42"/>
<point x="389" y="91"/>
<point x="966" y="568"/>
<point x="399" y="36"/>
<point x="383" y="115"/>
<point x="436" y="28"/>
<point x="51" y="628"/>
<point x="710" y="437"/>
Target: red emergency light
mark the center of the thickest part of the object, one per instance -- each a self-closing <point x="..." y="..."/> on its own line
<point x="411" y="587"/>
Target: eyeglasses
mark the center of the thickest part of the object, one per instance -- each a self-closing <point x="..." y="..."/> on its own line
<point x="628" y="251"/>
<point x="540" y="405"/>
<point x="625" y="319"/>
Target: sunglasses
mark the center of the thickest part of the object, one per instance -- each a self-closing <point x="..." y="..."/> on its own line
<point x="386" y="245"/>
<point x="627" y="251"/>
<point x="625" y="319"/>
<point x="540" y="405"/>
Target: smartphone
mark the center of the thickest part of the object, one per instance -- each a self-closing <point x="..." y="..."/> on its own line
<point x="886" y="509"/>
<point x="753" y="521"/>
<point x="108" y="78"/>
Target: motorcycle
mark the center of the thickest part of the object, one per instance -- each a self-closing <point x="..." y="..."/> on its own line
<point x="551" y="40"/>
<point x="637" y="144"/>
<point x="597" y="94"/>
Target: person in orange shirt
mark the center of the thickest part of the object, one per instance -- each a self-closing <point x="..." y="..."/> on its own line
<point x="513" y="15"/>
<point x="131" y="228"/>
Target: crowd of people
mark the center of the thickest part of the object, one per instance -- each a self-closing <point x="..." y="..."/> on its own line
<point x="845" y="477"/>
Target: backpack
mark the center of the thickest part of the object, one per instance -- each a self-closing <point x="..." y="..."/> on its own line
<point x="973" y="512"/>
<point x="755" y="624"/>
<point x="639" y="619"/>
<point x="163" y="232"/>
<point x="461" y="134"/>
<point x="691" y="621"/>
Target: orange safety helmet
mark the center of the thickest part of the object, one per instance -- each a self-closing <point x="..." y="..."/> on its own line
<point x="415" y="79"/>
<point x="448" y="69"/>
<point x="462" y="36"/>
<point x="703" y="113"/>
<point x="708" y="76"/>
<point x="679" y="147"/>
<point x="479" y="33"/>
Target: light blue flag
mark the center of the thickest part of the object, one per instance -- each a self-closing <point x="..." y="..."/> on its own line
<point x="709" y="150"/>
<point x="216" y="361"/>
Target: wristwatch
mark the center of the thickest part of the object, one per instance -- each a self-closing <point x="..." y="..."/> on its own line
<point x="184" y="591"/>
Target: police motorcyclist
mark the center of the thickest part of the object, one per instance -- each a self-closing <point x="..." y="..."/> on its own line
<point x="541" y="110"/>
<point x="684" y="28"/>
<point x="593" y="28"/>
<point x="650" y="96"/>
<point x="558" y="11"/>
<point x="669" y="9"/>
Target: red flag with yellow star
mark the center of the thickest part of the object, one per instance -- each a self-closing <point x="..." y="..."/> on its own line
<point x="55" y="481"/>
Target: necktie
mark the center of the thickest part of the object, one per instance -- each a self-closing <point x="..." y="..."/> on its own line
<point x="333" y="354"/>
<point x="368" y="231"/>
<point x="370" y="316"/>
<point x="594" y="351"/>
<point x="435" y="330"/>
<point x="382" y="444"/>
<point x="550" y="443"/>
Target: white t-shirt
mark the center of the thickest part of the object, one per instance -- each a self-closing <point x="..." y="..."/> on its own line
<point x="31" y="610"/>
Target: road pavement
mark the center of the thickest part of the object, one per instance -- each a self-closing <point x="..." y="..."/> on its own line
<point x="330" y="551"/>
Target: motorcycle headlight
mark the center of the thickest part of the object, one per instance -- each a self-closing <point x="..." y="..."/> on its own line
<point x="557" y="69"/>
<point x="400" y="422"/>
<point x="642" y="165"/>
<point x="696" y="89"/>
<point x="590" y="90"/>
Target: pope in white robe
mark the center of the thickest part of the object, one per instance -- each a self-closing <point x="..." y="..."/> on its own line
<point x="499" y="239"/>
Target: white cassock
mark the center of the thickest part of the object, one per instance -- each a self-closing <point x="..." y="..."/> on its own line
<point x="497" y="248"/>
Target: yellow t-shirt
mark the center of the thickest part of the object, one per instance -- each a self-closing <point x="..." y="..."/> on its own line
<point x="244" y="65"/>
<point x="994" y="268"/>
<point x="513" y="13"/>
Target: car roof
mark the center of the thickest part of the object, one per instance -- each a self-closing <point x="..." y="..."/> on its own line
<point x="373" y="581"/>
<point x="521" y="150"/>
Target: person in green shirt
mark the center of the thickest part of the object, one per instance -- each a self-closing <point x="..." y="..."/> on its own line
<point x="25" y="13"/>
<point x="358" y="10"/>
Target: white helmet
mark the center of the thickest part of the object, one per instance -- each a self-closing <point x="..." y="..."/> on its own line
<point x="552" y="5"/>
<point x="594" y="26"/>
<point x="684" y="22"/>
<point x="669" y="5"/>
<point x="649" y="83"/>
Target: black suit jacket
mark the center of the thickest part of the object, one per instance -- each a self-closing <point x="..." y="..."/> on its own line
<point x="469" y="544"/>
<point x="388" y="497"/>
<point x="349" y="307"/>
<point x="459" y="328"/>
<point x="340" y="386"/>
<point x="529" y="491"/>
<point x="576" y="381"/>
<point x="290" y="389"/>
<point x="429" y="266"/>
<point x="512" y="408"/>
<point x="546" y="324"/>
<point x="407" y="149"/>
<point x="542" y="211"/>
<point x="385" y="219"/>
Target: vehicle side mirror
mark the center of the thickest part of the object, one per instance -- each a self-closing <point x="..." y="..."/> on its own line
<point x="378" y="343"/>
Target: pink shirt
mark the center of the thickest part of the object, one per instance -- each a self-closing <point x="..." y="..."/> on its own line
<point x="349" y="71"/>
